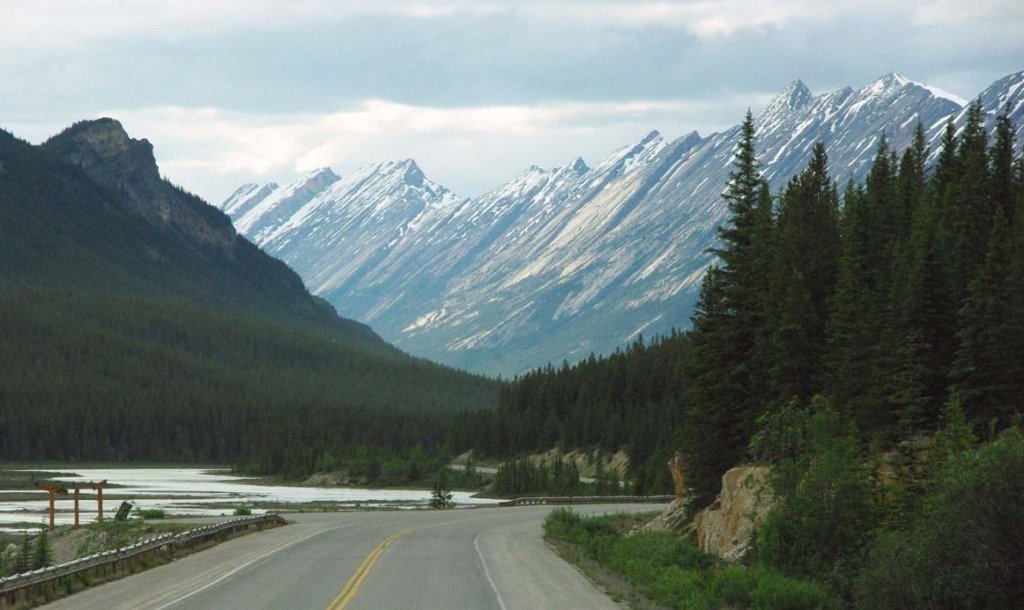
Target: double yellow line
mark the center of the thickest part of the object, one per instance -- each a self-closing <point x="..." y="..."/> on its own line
<point x="348" y="592"/>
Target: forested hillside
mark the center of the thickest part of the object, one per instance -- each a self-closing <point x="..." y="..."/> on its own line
<point x="88" y="210"/>
<point x="138" y="326"/>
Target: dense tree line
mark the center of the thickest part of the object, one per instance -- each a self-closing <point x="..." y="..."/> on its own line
<point x="888" y="297"/>
<point x="517" y="477"/>
<point x="905" y="296"/>
<point x="99" y="377"/>
<point x="126" y="335"/>
<point x="626" y="400"/>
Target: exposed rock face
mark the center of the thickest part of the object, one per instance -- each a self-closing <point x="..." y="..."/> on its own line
<point x="329" y="479"/>
<point x="107" y="154"/>
<point x="724" y="528"/>
<point x="586" y="461"/>
<point x="672" y="519"/>
<point x="675" y="466"/>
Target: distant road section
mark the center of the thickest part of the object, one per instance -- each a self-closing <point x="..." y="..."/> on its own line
<point x="466" y="558"/>
<point x="493" y="470"/>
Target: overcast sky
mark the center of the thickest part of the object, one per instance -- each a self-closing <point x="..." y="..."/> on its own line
<point x="476" y="91"/>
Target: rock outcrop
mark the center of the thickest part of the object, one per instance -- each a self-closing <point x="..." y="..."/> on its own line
<point x="673" y="518"/>
<point x="725" y="527"/>
<point x="106" y="153"/>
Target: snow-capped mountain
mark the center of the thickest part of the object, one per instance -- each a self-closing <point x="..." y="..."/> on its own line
<point x="563" y="262"/>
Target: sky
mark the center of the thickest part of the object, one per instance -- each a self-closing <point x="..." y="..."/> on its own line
<point x="476" y="91"/>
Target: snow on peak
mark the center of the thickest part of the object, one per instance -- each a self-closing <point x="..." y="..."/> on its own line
<point x="325" y="173"/>
<point x="650" y="137"/>
<point x="794" y="97"/>
<point x="935" y="91"/>
<point x="631" y="155"/>
<point x="885" y="86"/>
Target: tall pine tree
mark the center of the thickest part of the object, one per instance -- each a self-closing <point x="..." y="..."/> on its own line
<point x="857" y="352"/>
<point x="806" y="260"/>
<point x="728" y="375"/>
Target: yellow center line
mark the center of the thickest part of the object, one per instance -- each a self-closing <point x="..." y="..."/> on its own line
<point x="348" y="592"/>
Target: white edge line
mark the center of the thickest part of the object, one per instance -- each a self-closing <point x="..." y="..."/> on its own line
<point x="487" y="572"/>
<point x="243" y="566"/>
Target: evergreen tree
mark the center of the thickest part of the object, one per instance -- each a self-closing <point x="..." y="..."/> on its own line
<point x="728" y="372"/>
<point x="923" y="337"/>
<point x="911" y="182"/>
<point x="856" y="350"/>
<point x="946" y="168"/>
<point x="441" y="496"/>
<point x="25" y="559"/>
<point x="989" y="368"/>
<point x="807" y="249"/>
<point x="43" y="556"/>
<point x="971" y="208"/>
<point x="1003" y="188"/>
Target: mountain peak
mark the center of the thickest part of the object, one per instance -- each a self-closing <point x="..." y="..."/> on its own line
<point x="887" y="85"/>
<point x="324" y="173"/>
<point x="895" y="78"/>
<point x="894" y="82"/>
<point x="411" y="172"/>
<point x="795" y="96"/>
<point x="105" y="137"/>
<point x="650" y="137"/>
<point x="103" y="145"/>
<point x="579" y="166"/>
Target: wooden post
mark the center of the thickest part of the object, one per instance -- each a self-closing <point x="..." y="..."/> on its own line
<point x="52" y="490"/>
<point x="76" y="505"/>
<point x="99" y="497"/>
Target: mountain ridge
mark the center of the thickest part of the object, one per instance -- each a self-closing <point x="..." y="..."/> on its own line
<point x="553" y="264"/>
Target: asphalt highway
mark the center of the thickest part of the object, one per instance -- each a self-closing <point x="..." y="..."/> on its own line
<point x="467" y="558"/>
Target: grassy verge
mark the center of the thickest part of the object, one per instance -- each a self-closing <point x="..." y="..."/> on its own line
<point x="110" y="535"/>
<point x="671" y="572"/>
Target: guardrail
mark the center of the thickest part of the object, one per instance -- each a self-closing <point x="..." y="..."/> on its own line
<point x="534" y="500"/>
<point x="26" y="587"/>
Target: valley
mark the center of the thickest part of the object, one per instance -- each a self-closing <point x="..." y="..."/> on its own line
<point x="468" y="332"/>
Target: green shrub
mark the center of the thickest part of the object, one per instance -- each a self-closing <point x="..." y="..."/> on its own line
<point x="673" y="572"/>
<point x="822" y="526"/>
<point x="152" y="513"/>
<point x="776" y="592"/>
<point x="562" y="524"/>
<point x="681" y="588"/>
<point x="894" y="575"/>
<point x="394" y="472"/>
<point x="733" y="585"/>
<point x="966" y="549"/>
<point x="243" y="511"/>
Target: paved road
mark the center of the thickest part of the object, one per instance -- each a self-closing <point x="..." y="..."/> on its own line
<point x="479" y="559"/>
<point x="493" y="470"/>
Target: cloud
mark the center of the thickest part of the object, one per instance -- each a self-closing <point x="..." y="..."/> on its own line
<point x="71" y="23"/>
<point x="470" y="149"/>
<point x="475" y="90"/>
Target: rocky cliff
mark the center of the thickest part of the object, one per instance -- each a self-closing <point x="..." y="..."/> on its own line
<point x="725" y="527"/>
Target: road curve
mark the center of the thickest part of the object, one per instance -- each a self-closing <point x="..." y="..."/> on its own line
<point x="467" y="558"/>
